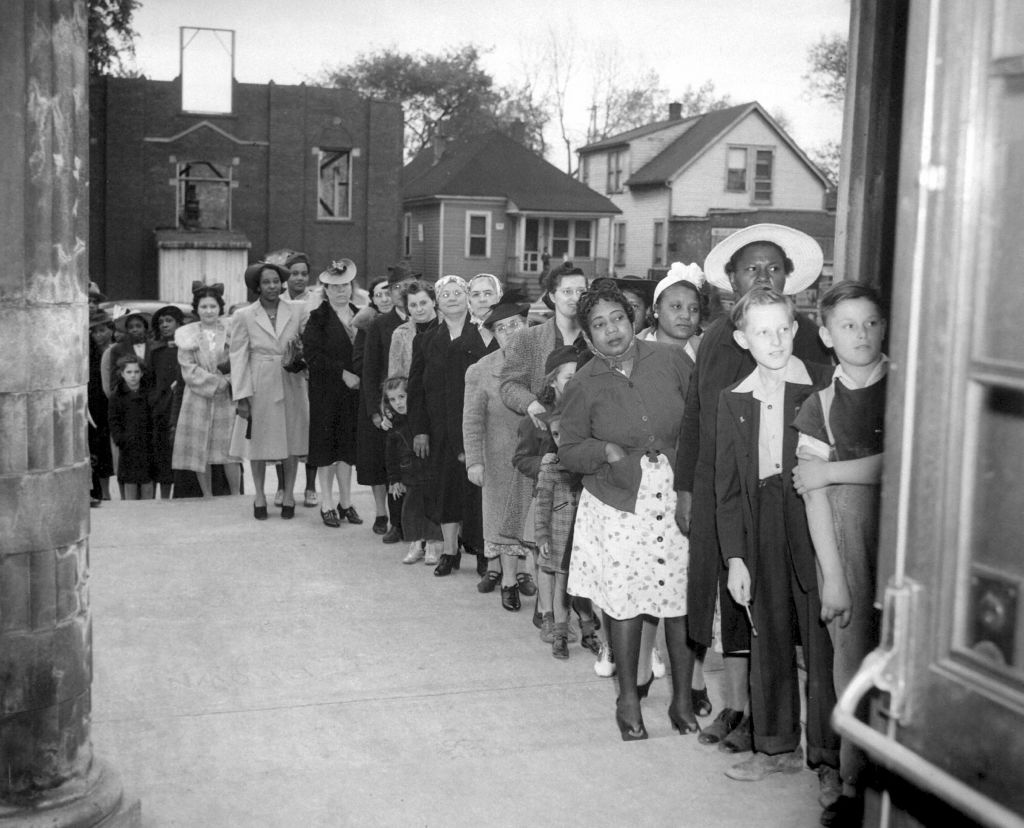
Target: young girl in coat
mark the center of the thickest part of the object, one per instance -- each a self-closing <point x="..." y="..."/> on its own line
<point x="203" y="427"/>
<point x="409" y="476"/>
<point x="130" y="429"/>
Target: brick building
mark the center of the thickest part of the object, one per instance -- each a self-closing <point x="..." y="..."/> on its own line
<point x="176" y="195"/>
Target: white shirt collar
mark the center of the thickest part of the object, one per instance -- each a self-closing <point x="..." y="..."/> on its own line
<point x="877" y="375"/>
<point x="796" y="373"/>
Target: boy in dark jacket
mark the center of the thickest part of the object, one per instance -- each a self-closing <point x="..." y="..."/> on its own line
<point x="762" y="531"/>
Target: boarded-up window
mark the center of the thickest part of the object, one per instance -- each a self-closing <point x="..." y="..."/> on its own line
<point x="204" y="195"/>
<point x="334" y="184"/>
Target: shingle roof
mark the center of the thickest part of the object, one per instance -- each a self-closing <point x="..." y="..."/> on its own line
<point x="633" y="134"/>
<point x="495" y="165"/>
<point x="691" y="145"/>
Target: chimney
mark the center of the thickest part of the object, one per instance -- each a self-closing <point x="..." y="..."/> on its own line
<point x="517" y="131"/>
<point x="675" y="111"/>
<point x="438" y="143"/>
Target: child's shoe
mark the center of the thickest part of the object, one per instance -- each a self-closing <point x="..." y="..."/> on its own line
<point x="560" y="641"/>
<point x="605" y="664"/>
<point x="589" y="638"/>
<point x="415" y="553"/>
<point x="739" y="739"/>
<point x="724" y="724"/>
<point x="433" y="553"/>
<point x="547" y="627"/>
<point x="525" y="582"/>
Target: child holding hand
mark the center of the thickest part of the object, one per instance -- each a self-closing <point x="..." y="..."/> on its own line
<point x="839" y="471"/>
<point x="409" y="476"/>
<point x="764" y="539"/>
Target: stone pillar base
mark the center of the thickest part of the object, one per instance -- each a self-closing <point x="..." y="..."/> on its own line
<point x="97" y="801"/>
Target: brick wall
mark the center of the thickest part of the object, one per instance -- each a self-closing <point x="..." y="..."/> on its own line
<point x="269" y="141"/>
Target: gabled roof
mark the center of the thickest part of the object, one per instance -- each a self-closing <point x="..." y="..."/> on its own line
<point x="623" y="138"/>
<point x="493" y="164"/>
<point x="700" y="137"/>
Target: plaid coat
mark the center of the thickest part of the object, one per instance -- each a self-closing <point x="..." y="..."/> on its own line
<point x="207" y="415"/>
<point x="558" y="492"/>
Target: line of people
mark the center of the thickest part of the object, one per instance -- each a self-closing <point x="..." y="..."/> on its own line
<point x="643" y="465"/>
<point x="638" y="461"/>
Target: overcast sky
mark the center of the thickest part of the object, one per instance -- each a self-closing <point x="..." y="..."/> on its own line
<point x="751" y="49"/>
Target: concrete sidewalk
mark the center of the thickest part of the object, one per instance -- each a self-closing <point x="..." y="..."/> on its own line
<point x="281" y="673"/>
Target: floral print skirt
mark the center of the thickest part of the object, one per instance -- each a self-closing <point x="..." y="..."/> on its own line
<point x="632" y="563"/>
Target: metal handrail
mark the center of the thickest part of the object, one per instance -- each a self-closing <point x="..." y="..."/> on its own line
<point x="893" y="756"/>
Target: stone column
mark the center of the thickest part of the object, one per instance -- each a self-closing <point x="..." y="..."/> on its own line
<point x="48" y="775"/>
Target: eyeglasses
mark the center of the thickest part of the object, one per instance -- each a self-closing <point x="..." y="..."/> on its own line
<point x="508" y="327"/>
<point x="451" y="294"/>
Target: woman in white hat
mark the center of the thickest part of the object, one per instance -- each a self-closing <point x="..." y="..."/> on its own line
<point x="679" y="305"/>
<point x="790" y="261"/>
<point x="328" y="346"/>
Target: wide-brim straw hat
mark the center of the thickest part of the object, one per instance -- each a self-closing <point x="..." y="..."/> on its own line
<point x="805" y="253"/>
<point x="341" y="272"/>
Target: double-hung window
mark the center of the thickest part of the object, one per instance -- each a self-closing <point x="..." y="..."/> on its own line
<point x="616" y="167"/>
<point x="478" y="235"/>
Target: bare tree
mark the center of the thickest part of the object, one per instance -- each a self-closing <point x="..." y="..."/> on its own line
<point x="826" y="75"/>
<point x="826" y="79"/>
<point x="559" y="58"/>
<point x="701" y="99"/>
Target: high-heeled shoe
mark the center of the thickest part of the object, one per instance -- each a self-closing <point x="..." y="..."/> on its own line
<point x="701" y="703"/>
<point x="288" y="512"/>
<point x="630" y="732"/>
<point x="680" y="724"/>
<point x="259" y="512"/>
<point x="447" y="564"/>
<point x="643" y="689"/>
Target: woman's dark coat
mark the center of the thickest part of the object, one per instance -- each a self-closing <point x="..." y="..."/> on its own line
<point x="333" y="406"/>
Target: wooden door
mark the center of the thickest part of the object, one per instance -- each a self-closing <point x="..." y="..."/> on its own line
<point x="949" y="724"/>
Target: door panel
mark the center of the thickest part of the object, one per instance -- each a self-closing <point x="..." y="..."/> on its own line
<point x="952" y="549"/>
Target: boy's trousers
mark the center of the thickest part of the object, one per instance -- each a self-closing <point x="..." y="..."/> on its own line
<point x="785" y="616"/>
